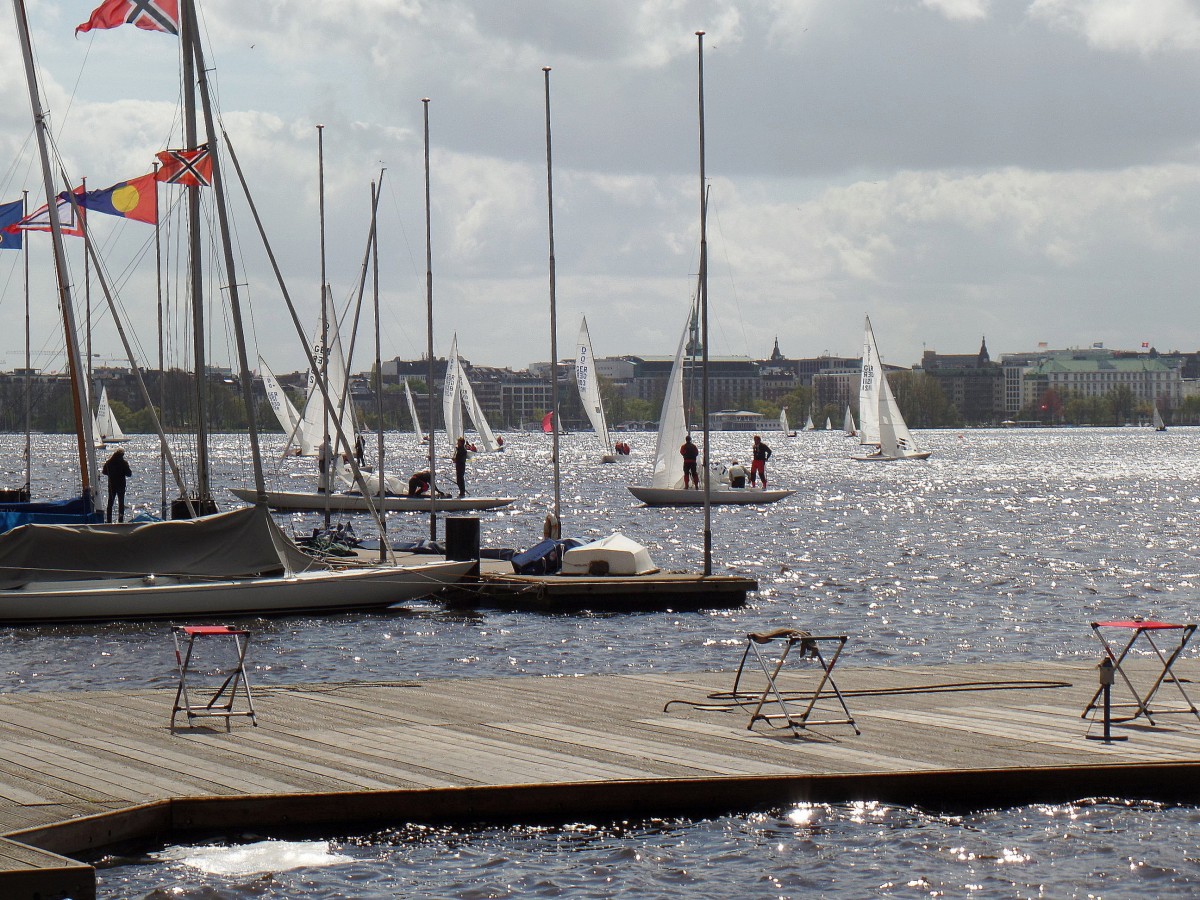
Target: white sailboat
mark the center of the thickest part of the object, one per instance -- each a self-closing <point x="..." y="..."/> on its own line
<point x="287" y="414"/>
<point x="1159" y="424"/>
<point x="666" y="481"/>
<point x="420" y="436"/>
<point x="310" y="432"/>
<point x="880" y="421"/>
<point x="108" y="429"/>
<point x="783" y="423"/>
<point x="589" y="392"/>
<point x="457" y="393"/>
<point x="808" y="424"/>
<point x="828" y="424"/>
<point x="848" y="424"/>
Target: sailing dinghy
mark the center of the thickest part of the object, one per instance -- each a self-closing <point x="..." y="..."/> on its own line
<point x="880" y="421"/>
<point x="589" y="392"/>
<point x="108" y="430"/>
<point x="783" y="423"/>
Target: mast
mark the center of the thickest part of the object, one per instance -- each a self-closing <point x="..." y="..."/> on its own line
<point x="28" y="354"/>
<point x="553" y="317"/>
<point x="162" y="372"/>
<point x="83" y="420"/>
<point x="246" y="379"/>
<point x="190" y="47"/>
<point x="429" y="336"/>
<point x="704" y="319"/>
<point x="383" y="542"/>
<point x="326" y="445"/>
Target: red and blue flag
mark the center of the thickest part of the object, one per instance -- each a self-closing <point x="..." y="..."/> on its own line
<point x="133" y="199"/>
<point x="10" y="215"/>
<point x="149" y="15"/>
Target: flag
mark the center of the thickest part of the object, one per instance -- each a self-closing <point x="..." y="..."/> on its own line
<point x="189" y="167"/>
<point x="149" y="15"/>
<point x="1042" y="345"/>
<point x="1145" y="345"/>
<point x="133" y="199"/>
<point x="1098" y="345"/>
<point x="10" y="215"/>
<point x="39" y="219"/>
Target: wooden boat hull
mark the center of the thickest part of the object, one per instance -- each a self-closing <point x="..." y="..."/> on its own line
<point x="694" y="497"/>
<point x="314" y="502"/>
<point x="168" y="597"/>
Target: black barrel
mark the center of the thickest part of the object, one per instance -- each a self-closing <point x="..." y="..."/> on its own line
<point x="462" y="538"/>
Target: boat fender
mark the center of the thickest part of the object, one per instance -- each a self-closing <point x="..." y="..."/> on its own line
<point x="551" y="528"/>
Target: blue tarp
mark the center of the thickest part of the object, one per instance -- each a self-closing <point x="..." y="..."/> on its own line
<point x="544" y="558"/>
<point x="74" y="511"/>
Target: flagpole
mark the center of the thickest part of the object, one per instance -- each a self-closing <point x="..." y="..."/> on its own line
<point x="87" y="302"/>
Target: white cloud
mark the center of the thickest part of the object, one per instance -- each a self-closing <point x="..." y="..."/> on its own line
<point x="1143" y="26"/>
<point x="959" y="10"/>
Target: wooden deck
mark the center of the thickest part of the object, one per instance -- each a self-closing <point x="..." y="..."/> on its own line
<point x="82" y="770"/>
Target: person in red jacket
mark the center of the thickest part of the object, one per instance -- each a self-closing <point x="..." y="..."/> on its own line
<point x="758" y="465"/>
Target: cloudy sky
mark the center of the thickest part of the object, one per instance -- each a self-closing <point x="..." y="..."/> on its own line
<point x="1028" y="170"/>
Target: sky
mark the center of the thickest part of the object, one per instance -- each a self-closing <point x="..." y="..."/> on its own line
<point x="1022" y="170"/>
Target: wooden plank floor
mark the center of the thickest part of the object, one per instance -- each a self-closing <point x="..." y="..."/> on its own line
<point x="74" y="754"/>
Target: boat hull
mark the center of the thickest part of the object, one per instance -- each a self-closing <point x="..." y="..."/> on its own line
<point x="876" y="457"/>
<point x="314" y="502"/>
<point x="166" y="597"/>
<point x="692" y="497"/>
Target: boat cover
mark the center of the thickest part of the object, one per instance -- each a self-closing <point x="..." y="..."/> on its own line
<point x="544" y="558"/>
<point x="72" y="511"/>
<point x="237" y="544"/>
<point x="613" y="555"/>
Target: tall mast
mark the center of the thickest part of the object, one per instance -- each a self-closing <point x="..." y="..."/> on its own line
<point x="704" y="319"/>
<point x="553" y="317"/>
<point x="429" y="336"/>
<point x="326" y="444"/>
<point x="383" y="542"/>
<point x="246" y="378"/>
<point x="162" y="372"/>
<point x="189" y="46"/>
<point x="83" y="420"/>
<point x="28" y="355"/>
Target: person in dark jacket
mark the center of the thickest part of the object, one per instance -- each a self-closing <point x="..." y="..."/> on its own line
<point x="460" y="466"/>
<point x="690" y="453"/>
<point x="758" y="465"/>
<point x="116" y="468"/>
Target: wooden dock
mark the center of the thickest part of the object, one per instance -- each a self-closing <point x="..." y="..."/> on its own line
<point x="84" y="770"/>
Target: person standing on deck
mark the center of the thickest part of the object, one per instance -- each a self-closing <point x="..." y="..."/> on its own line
<point x="690" y="453"/>
<point x="758" y="466"/>
<point x="460" y="466"/>
<point x="116" y="468"/>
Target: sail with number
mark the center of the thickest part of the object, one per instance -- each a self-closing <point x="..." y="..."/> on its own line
<point x="589" y="388"/>
<point x="451" y="397"/>
<point x="287" y="415"/>
<point x="868" y="390"/>
<point x="890" y="430"/>
<point x="311" y="430"/>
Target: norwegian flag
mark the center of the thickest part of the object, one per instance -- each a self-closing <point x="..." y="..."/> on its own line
<point x="149" y="15"/>
<point x="188" y="167"/>
<point x="1145" y="345"/>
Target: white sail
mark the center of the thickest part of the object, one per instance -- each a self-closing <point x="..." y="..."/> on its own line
<point x="808" y="424"/>
<point x="487" y="439"/>
<point x="451" y="396"/>
<point x="848" y="424"/>
<point x="311" y="430"/>
<point x="868" y="390"/>
<point x="828" y="424"/>
<point x="412" y="411"/>
<point x="589" y="387"/>
<point x="783" y="421"/>
<point x="672" y="425"/>
<point x="1159" y="424"/>
<point x="892" y="434"/>
<point x="287" y="415"/>
<point x="109" y="430"/>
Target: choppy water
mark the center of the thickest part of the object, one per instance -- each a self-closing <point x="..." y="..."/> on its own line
<point x="1003" y="546"/>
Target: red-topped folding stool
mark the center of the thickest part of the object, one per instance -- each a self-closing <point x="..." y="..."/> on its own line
<point x="1145" y="629"/>
<point x="234" y="672"/>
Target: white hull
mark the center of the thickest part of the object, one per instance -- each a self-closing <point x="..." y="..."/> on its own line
<point x="315" y="502"/>
<point x="159" y="597"/>
<point x="652" y="496"/>
<point x="879" y="457"/>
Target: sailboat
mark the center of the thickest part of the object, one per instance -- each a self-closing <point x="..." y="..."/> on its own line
<point x="421" y="437"/>
<point x="457" y="393"/>
<point x="828" y="424"/>
<point x="226" y="563"/>
<point x="848" y="424"/>
<point x="666" y="480"/>
<point x="108" y="429"/>
<point x="589" y="392"/>
<point x="287" y="415"/>
<point x="880" y="420"/>
<point x="808" y="424"/>
<point x="1159" y="424"/>
<point x="783" y="423"/>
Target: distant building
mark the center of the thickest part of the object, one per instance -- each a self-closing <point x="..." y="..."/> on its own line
<point x="971" y="382"/>
<point x="1150" y="380"/>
